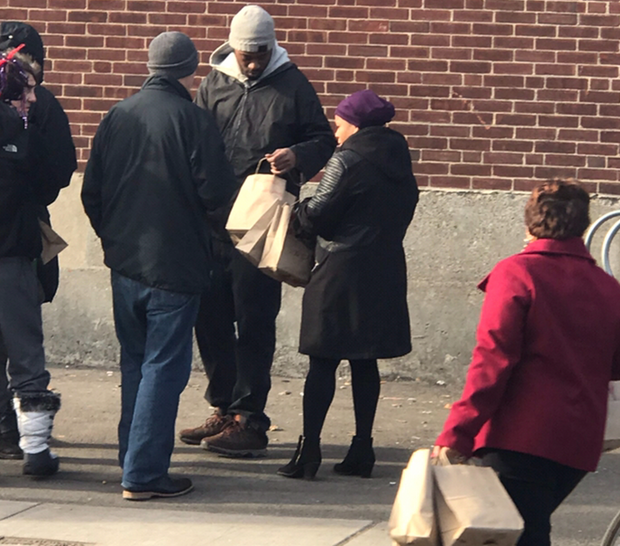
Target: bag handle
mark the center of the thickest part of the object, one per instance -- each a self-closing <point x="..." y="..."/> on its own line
<point x="443" y="460"/>
<point x="259" y="164"/>
<point x="286" y="175"/>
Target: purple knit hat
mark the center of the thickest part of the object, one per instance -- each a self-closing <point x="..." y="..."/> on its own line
<point x="365" y="109"/>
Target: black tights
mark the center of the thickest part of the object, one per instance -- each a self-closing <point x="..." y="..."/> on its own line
<point x="319" y="392"/>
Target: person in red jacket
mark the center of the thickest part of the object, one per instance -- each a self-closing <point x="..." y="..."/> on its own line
<point x="548" y="344"/>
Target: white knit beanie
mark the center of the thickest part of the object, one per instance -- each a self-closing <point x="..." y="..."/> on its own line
<point x="252" y="30"/>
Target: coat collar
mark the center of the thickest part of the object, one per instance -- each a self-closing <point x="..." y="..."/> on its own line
<point x="162" y="82"/>
<point x="568" y="247"/>
<point x="572" y="247"/>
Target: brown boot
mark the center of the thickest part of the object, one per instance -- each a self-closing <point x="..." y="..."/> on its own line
<point x="212" y="426"/>
<point x="237" y="440"/>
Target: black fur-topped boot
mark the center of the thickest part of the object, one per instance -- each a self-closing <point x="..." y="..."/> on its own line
<point x="305" y="462"/>
<point x="360" y="459"/>
<point x="35" y="419"/>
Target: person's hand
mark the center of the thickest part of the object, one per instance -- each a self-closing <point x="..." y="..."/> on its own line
<point x="282" y="160"/>
<point x="453" y="456"/>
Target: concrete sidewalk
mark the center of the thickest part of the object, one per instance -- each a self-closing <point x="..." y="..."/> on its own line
<point x="75" y="524"/>
<point x="243" y="501"/>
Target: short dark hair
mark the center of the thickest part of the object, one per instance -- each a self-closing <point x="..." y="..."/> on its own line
<point x="558" y="209"/>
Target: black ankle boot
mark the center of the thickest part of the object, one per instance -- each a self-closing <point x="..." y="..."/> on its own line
<point x="9" y="435"/>
<point x="360" y="459"/>
<point x="305" y="462"/>
<point x="40" y="464"/>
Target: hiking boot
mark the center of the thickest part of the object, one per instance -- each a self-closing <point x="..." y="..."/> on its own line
<point x="212" y="426"/>
<point x="237" y="440"/>
<point x="167" y="487"/>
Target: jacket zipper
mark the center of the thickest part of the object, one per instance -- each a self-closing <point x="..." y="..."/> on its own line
<point x="240" y="112"/>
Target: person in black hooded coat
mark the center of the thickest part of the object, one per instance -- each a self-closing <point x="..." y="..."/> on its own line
<point x="355" y="305"/>
<point x="47" y="117"/>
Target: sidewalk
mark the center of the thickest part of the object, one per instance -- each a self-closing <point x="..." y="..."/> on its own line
<point x="74" y="524"/>
<point x="235" y="501"/>
<point x="238" y="502"/>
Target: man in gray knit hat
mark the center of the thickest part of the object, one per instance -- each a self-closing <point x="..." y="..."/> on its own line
<point x="266" y="109"/>
<point x="156" y="176"/>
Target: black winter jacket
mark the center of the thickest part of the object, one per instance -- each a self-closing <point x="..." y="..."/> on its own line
<point x="25" y="187"/>
<point x="280" y="111"/>
<point x="156" y="170"/>
<point x="49" y="117"/>
<point x="355" y="305"/>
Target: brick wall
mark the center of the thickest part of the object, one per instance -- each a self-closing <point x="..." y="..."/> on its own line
<point x="491" y="94"/>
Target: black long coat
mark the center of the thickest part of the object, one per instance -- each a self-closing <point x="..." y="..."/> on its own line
<point x="355" y="306"/>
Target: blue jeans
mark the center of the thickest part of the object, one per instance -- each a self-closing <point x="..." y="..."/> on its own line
<point x="154" y="329"/>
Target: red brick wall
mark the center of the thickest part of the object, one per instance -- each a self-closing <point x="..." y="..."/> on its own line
<point x="492" y="94"/>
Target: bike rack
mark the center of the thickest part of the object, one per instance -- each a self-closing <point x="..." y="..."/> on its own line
<point x="608" y="238"/>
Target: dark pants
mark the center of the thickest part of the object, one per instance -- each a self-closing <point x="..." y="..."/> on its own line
<point x="21" y="330"/>
<point x="5" y="392"/>
<point x="238" y="360"/>
<point x="154" y="329"/>
<point x="320" y="387"/>
<point x="537" y="486"/>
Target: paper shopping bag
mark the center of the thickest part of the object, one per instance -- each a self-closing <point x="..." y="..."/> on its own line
<point x="473" y="508"/>
<point x="612" y="427"/>
<point x="413" y="515"/>
<point x="286" y="258"/>
<point x="252" y="243"/>
<point x="257" y="194"/>
<point x="53" y="244"/>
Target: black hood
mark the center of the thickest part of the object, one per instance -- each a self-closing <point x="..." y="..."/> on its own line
<point x="385" y="148"/>
<point x="14" y="33"/>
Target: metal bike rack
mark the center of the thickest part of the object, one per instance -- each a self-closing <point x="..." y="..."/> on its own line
<point x="608" y="238"/>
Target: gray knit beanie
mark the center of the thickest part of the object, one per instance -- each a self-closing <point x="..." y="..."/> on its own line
<point x="173" y="54"/>
<point x="252" y="30"/>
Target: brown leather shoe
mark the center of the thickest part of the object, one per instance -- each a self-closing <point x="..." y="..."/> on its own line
<point x="237" y="440"/>
<point x="212" y="426"/>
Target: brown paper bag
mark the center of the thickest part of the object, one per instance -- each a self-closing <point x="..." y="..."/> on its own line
<point x="286" y="258"/>
<point x="257" y="194"/>
<point x="473" y="507"/>
<point x="252" y="243"/>
<point x="53" y="244"/>
<point x="612" y="427"/>
<point x="413" y="515"/>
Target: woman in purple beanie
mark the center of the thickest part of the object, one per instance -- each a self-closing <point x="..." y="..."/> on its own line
<point x="355" y="305"/>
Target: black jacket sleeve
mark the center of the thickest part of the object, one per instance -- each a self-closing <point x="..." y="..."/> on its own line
<point x="316" y="138"/>
<point x="321" y="214"/>
<point x="52" y="123"/>
<point x="93" y="179"/>
<point x="213" y="174"/>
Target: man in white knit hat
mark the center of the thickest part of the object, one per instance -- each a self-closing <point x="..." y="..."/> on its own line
<point x="265" y="108"/>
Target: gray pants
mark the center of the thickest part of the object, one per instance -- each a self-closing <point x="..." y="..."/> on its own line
<point x="21" y="331"/>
